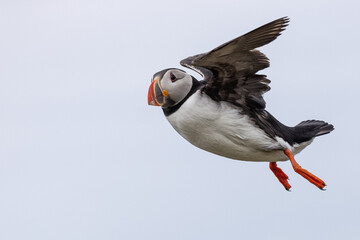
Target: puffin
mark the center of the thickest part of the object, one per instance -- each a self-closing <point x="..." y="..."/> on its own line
<point x="225" y="112"/>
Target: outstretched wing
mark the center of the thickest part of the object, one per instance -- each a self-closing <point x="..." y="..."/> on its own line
<point x="230" y="69"/>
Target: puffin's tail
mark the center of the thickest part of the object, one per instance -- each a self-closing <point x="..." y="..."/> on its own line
<point x="309" y="129"/>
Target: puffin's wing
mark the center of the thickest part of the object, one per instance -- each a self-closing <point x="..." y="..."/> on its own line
<point x="230" y="69"/>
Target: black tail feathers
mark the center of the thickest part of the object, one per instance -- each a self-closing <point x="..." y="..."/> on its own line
<point x="309" y="129"/>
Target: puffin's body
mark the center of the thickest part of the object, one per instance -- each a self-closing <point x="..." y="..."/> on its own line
<point x="225" y="113"/>
<point x="220" y="128"/>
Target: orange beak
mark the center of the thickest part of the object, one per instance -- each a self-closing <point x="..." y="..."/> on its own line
<point x="151" y="94"/>
<point x="156" y="95"/>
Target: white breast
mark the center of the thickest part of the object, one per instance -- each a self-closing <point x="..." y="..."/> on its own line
<point x="218" y="127"/>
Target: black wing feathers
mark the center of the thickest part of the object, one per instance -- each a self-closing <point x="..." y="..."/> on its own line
<point x="230" y="69"/>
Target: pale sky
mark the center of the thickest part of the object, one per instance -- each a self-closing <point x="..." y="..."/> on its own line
<point x="82" y="155"/>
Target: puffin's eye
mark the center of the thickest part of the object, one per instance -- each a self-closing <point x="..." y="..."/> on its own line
<point x="172" y="77"/>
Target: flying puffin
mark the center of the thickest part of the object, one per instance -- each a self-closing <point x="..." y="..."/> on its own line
<point x="225" y="112"/>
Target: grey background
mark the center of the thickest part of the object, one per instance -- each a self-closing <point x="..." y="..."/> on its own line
<point x="82" y="156"/>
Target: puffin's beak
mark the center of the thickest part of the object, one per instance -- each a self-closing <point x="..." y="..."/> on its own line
<point x="156" y="95"/>
<point x="151" y="94"/>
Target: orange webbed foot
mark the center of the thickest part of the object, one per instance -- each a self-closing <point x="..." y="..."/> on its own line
<point x="303" y="172"/>
<point x="281" y="176"/>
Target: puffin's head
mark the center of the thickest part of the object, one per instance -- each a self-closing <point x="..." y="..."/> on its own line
<point x="169" y="87"/>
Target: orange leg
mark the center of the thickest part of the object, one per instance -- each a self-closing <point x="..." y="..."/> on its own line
<point x="283" y="178"/>
<point x="306" y="174"/>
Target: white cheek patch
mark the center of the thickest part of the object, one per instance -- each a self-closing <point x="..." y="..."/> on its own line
<point x="179" y="89"/>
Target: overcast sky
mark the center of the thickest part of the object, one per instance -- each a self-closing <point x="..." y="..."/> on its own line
<point x="82" y="155"/>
